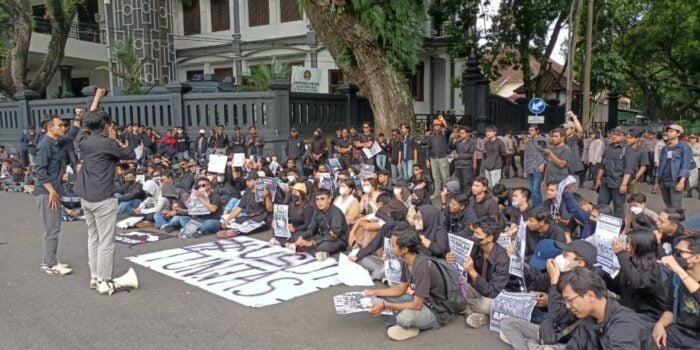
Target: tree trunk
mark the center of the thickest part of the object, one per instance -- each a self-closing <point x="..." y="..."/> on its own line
<point x="544" y="64"/>
<point x="384" y="86"/>
<point x="13" y="74"/>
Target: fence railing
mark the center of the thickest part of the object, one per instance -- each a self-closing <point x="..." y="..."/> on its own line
<point x="273" y="112"/>
<point x="79" y="30"/>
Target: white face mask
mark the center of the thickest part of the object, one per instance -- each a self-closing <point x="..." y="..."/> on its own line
<point x="515" y="203"/>
<point x="419" y="224"/>
<point x="397" y="192"/>
<point x="562" y="263"/>
<point x="366" y="189"/>
<point x="636" y="210"/>
<point x="291" y="178"/>
<point x="344" y="190"/>
<point x="219" y="179"/>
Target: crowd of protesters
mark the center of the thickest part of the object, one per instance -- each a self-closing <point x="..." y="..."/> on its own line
<point x="349" y="192"/>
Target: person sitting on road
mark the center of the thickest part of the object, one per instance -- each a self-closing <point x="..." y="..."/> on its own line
<point x="328" y="231"/>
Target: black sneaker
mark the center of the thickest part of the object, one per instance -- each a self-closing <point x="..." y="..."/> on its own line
<point x="168" y="228"/>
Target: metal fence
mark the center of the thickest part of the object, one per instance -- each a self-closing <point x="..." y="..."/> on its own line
<point x="273" y="112"/>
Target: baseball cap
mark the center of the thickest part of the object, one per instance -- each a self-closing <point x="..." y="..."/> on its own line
<point x="675" y="127"/>
<point x="253" y="175"/>
<point x="636" y="133"/>
<point x="452" y="187"/>
<point x="584" y="250"/>
<point x="201" y="131"/>
<point x="692" y="223"/>
<point x="545" y="249"/>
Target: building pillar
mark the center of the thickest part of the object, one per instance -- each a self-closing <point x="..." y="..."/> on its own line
<point x="66" y="79"/>
<point x="475" y="90"/>
<point x="312" y="41"/>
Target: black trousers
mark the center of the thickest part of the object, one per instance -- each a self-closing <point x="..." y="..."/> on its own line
<point x="465" y="177"/>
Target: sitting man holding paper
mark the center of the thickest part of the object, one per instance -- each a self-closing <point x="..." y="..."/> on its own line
<point x="487" y="269"/>
<point x="413" y="301"/>
<point x="255" y="203"/>
<point x="204" y="206"/>
<point x="327" y="233"/>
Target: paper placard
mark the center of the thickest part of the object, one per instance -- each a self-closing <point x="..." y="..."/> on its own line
<point x="462" y="249"/>
<point x="238" y="160"/>
<point x="517" y="260"/>
<point x="507" y="304"/>
<point x="353" y="302"/>
<point x="607" y="229"/>
<point x="281" y="222"/>
<point x="392" y="265"/>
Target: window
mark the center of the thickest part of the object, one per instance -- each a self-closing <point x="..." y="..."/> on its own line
<point x="289" y="11"/>
<point x="222" y="73"/>
<point x="335" y="78"/>
<point x="258" y="13"/>
<point x="191" y="21"/>
<point x="417" y="83"/>
<point x="219" y="15"/>
<point x="195" y="74"/>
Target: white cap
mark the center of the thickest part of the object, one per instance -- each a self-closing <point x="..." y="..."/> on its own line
<point x="201" y="131"/>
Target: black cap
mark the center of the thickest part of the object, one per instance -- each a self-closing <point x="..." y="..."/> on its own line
<point x="584" y="250"/>
<point x="253" y="175"/>
<point x="618" y="130"/>
<point x="636" y="133"/>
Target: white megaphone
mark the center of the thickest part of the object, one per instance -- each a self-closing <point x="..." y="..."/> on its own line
<point x="125" y="282"/>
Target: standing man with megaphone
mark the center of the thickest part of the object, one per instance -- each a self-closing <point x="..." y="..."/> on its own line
<point x="101" y="152"/>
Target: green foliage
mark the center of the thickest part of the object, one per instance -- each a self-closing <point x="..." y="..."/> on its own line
<point x="128" y="66"/>
<point x="458" y="16"/>
<point x="261" y="75"/>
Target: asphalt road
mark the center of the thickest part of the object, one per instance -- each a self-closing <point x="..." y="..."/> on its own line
<point x="48" y="312"/>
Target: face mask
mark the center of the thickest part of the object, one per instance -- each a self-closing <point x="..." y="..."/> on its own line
<point x="515" y="203"/>
<point x="477" y="240"/>
<point x="636" y="210"/>
<point x="682" y="262"/>
<point x="344" y="190"/>
<point x="397" y="192"/>
<point x="415" y="202"/>
<point x="291" y="178"/>
<point x="295" y="198"/>
<point x="219" y="179"/>
<point x="562" y="263"/>
<point x="366" y="189"/>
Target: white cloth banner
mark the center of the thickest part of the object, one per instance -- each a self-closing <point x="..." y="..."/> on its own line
<point x="245" y="270"/>
<point x="352" y="274"/>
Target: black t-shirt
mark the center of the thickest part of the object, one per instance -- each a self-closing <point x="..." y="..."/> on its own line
<point x="215" y="200"/>
<point x="256" y="210"/>
<point x="684" y="305"/>
<point x="426" y="281"/>
<point x="555" y="233"/>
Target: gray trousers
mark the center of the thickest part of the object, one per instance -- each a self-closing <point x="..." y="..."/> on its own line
<point x="440" y="168"/>
<point x="671" y="197"/>
<point x="524" y="335"/>
<point x="374" y="265"/>
<point x="101" y="220"/>
<point x="51" y="220"/>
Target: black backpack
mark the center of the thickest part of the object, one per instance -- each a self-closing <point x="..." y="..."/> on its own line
<point x="455" y="301"/>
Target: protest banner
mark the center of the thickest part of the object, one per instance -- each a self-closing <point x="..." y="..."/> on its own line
<point x="507" y="304"/>
<point x="244" y="270"/>
<point x="462" y="249"/>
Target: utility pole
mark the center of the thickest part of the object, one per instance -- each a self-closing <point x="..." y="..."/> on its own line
<point x="108" y="41"/>
<point x="585" y="112"/>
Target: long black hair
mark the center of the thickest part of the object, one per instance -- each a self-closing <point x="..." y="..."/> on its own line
<point x="644" y="248"/>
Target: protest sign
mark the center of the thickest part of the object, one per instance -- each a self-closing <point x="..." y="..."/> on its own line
<point x="259" y="191"/>
<point x="281" y="215"/>
<point x="507" y="304"/>
<point x="607" y="229"/>
<point x="190" y="230"/>
<point x="392" y="265"/>
<point x="353" y="302"/>
<point x="571" y="179"/>
<point x="217" y="163"/>
<point x="245" y="270"/>
<point x="517" y="260"/>
<point x="271" y="185"/>
<point x="238" y="160"/>
<point x="462" y="249"/>
<point x="196" y="207"/>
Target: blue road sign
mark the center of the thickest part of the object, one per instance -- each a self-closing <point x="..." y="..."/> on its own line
<point x="536" y="105"/>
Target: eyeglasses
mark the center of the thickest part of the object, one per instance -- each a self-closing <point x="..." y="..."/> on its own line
<point x="571" y="301"/>
<point x="202" y="186"/>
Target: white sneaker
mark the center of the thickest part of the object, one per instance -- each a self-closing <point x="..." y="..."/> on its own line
<point x="58" y="263"/>
<point x="274" y="241"/>
<point x="93" y="283"/>
<point x="477" y="320"/>
<point x="399" y="333"/>
<point x="321" y="256"/>
<point x="57" y="270"/>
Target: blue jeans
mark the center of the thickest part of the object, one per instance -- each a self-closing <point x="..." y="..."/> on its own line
<point x="420" y="319"/>
<point x="381" y="161"/>
<point x="127" y="207"/>
<point x="177" y="222"/>
<point x="407" y="168"/>
<point x="394" y="172"/>
<point x="183" y="155"/>
<point x="534" y="183"/>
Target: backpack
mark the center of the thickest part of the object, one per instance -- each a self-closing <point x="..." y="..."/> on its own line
<point x="455" y="301"/>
